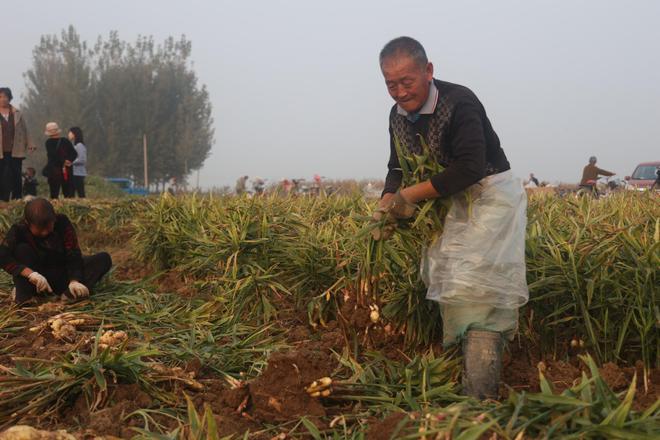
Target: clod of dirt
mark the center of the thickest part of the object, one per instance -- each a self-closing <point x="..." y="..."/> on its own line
<point x="24" y="432"/>
<point x="110" y="420"/>
<point x="615" y="377"/>
<point x="279" y="395"/>
<point x="228" y="406"/>
<point x="390" y="427"/>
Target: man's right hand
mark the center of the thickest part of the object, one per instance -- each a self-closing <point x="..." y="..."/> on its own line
<point x="386" y="225"/>
<point x="40" y="282"/>
<point x="386" y="201"/>
<point x="391" y="208"/>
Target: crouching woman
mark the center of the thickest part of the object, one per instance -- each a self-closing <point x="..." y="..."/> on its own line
<point x="42" y="254"/>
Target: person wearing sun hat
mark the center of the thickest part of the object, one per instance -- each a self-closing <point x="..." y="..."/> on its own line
<point x="61" y="155"/>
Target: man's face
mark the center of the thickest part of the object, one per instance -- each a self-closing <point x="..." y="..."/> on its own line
<point x="4" y="100"/>
<point x="42" y="232"/>
<point x="407" y="82"/>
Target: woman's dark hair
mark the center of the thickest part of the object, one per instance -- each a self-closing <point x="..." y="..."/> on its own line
<point x="77" y="135"/>
<point x="39" y="212"/>
<point x="7" y="92"/>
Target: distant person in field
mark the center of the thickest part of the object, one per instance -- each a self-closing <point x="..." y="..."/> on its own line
<point x="534" y="180"/>
<point x="656" y="184"/>
<point x="42" y="254"/>
<point x="241" y="185"/>
<point x="15" y="144"/>
<point x="59" y="169"/>
<point x="30" y="182"/>
<point x="463" y="268"/>
<point x="80" y="164"/>
<point x="258" y="185"/>
<point x="591" y="173"/>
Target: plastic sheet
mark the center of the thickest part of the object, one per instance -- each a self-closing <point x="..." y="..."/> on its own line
<point x="480" y="257"/>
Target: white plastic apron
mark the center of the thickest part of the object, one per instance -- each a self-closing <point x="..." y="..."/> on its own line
<point x="480" y="257"/>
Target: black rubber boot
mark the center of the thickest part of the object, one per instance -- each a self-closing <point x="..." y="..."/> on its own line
<point x="482" y="363"/>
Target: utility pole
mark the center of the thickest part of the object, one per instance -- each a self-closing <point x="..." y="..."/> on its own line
<point x="185" y="182"/>
<point x="146" y="165"/>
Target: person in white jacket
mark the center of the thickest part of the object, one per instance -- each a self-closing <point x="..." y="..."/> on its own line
<point x="80" y="164"/>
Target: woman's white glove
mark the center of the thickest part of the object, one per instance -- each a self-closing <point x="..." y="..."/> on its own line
<point x="40" y="282"/>
<point x="78" y="290"/>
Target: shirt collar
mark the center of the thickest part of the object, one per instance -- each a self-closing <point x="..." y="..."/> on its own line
<point x="428" y="107"/>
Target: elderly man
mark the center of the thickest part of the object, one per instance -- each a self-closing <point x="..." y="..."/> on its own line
<point x="476" y="271"/>
<point x="41" y="252"/>
<point x="15" y="143"/>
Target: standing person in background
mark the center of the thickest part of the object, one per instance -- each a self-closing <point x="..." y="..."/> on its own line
<point x="656" y="184"/>
<point x="61" y="155"/>
<point x="80" y="164"/>
<point x="30" y="182"/>
<point x="15" y="143"/>
<point x="258" y="185"/>
<point x="241" y="185"/>
<point x="534" y="180"/>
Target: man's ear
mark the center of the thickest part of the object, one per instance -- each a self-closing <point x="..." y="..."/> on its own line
<point x="429" y="72"/>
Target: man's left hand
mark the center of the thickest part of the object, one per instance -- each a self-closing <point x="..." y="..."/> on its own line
<point x="78" y="290"/>
<point x="391" y="209"/>
<point x="400" y="208"/>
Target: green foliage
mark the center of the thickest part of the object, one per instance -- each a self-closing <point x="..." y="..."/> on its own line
<point x="592" y="264"/>
<point x="243" y="256"/>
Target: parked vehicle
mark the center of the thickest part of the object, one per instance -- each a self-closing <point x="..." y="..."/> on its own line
<point x="128" y="186"/>
<point x="644" y="176"/>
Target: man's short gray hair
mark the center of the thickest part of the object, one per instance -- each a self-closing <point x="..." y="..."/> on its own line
<point x="405" y="46"/>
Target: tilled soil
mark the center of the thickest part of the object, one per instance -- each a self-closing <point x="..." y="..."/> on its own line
<point x="112" y="417"/>
<point x="521" y="372"/>
<point x="278" y="395"/>
<point x="389" y="427"/>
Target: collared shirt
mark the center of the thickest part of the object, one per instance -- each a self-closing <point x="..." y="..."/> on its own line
<point x="427" y="109"/>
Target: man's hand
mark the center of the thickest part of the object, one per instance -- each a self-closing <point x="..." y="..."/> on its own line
<point x="40" y="282"/>
<point x="67" y="163"/>
<point x="391" y="208"/>
<point x="78" y="290"/>
<point x="400" y="207"/>
<point x="385" y="201"/>
<point x="386" y="225"/>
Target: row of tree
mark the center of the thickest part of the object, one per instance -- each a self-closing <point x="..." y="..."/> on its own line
<point x="117" y="92"/>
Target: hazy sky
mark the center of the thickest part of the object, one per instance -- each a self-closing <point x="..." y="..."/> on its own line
<point x="296" y="88"/>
